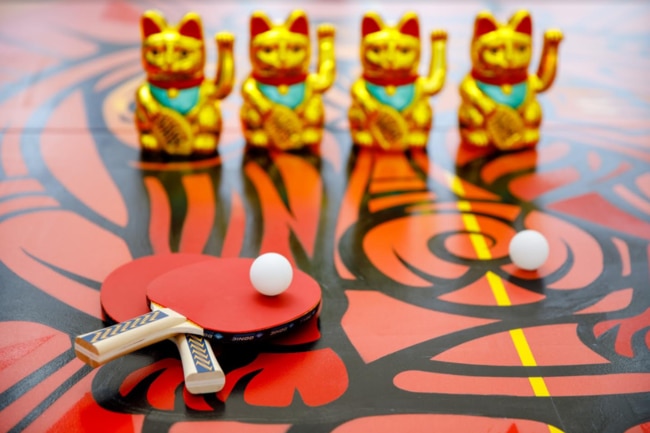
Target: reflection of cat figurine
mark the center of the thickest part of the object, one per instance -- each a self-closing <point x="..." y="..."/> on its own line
<point x="390" y="102"/>
<point x="177" y="109"/>
<point x="499" y="107"/>
<point x="282" y="106"/>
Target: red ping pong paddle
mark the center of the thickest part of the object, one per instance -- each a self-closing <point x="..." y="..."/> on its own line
<point x="213" y="298"/>
<point x="123" y="297"/>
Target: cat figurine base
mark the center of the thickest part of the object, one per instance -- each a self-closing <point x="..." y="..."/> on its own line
<point x="390" y="107"/>
<point x="499" y="109"/>
<point x="283" y="107"/>
<point x="177" y="109"/>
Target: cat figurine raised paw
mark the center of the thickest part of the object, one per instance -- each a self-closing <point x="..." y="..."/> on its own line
<point x="499" y="107"/>
<point x="390" y="107"/>
<point x="283" y="107"/>
<point x="177" y="109"/>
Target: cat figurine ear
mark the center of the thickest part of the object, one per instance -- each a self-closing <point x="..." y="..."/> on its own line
<point x="259" y="23"/>
<point x="297" y="22"/>
<point x="409" y="25"/>
<point x="521" y="22"/>
<point x="371" y="23"/>
<point x="484" y="23"/>
<point x="152" y="22"/>
<point x="191" y="26"/>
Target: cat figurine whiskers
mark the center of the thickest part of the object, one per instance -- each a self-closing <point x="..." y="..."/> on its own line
<point x="283" y="106"/>
<point x="177" y="109"/>
<point x="390" y="102"/>
<point x="499" y="106"/>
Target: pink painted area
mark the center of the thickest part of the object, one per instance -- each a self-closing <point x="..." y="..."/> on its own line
<point x="234" y="237"/>
<point x="624" y="253"/>
<point x="441" y="383"/>
<point x="227" y="427"/>
<point x="329" y="147"/>
<point x="77" y="411"/>
<point x="160" y="215"/>
<point x="17" y="110"/>
<point x="554" y="345"/>
<point x="201" y="210"/>
<point x="299" y="214"/>
<point x="643" y="183"/>
<point x="440" y="423"/>
<point x="470" y="191"/>
<point x="594" y="208"/>
<point x="19" y="186"/>
<point x="551" y="345"/>
<point x="531" y="186"/>
<point x="51" y="39"/>
<point x="35" y="244"/>
<point x="122" y="11"/>
<point x="495" y="350"/>
<point x="480" y="293"/>
<point x="24" y="60"/>
<point x="622" y="168"/>
<point x="558" y="386"/>
<point x="588" y="259"/>
<point x="604" y="384"/>
<point x="11" y="155"/>
<point x="27" y="402"/>
<point x="625" y="330"/>
<point x="615" y="301"/>
<point x="73" y="159"/>
<point x="594" y="161"/>
<point x="400" y="244"/>
<point x="161" y="394"/>
<point x="378" y="325"/>
<point x="640" y="203"/>
<point x="318" y="377"/>
<point x="27" y="203"/>
<point x="25" y="347"/>
<point x="349" y="211"/>
<point x="508" y="163"/>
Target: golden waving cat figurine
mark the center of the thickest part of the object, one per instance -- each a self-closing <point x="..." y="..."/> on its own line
<point x="390" y="102"/>
<point x="499" y="106"/>
<point x="283" y="106"/>
<point x="177" y="109"/>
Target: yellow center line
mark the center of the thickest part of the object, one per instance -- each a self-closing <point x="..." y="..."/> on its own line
<point x="498" y="289"/>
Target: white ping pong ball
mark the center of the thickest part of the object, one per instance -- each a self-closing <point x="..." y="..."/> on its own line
<point x="528" y="250"/>
<point x="271" y="274"/>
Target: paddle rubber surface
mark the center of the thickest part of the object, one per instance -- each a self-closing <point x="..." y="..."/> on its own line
<point x="217" y="295"/>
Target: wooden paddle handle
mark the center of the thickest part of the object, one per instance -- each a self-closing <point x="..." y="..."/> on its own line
<point x="202" y="372"/>
<point x="98" y="347"/>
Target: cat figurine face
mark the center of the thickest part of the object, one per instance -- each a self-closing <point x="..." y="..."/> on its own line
<point x="501" y="51"/>
<point x="390" y="53"/>
<point x="172" y="53"/>
<point x="282" y="50"/>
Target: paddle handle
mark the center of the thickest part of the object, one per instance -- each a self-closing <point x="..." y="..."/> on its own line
<point x="202" y="371"/>
<point x="98" y="347"/>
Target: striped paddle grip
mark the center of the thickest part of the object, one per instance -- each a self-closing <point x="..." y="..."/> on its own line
<point x="98" y="347"/>
<point x="202" y="372"/>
